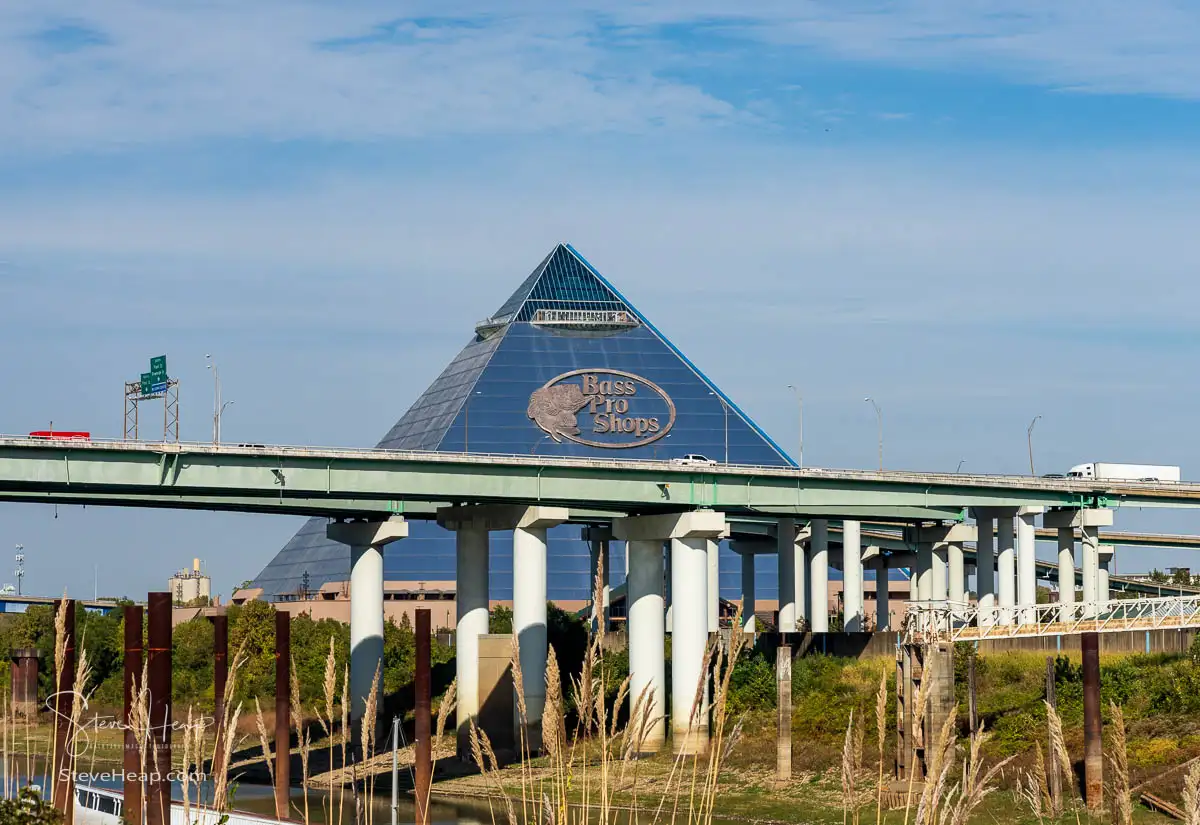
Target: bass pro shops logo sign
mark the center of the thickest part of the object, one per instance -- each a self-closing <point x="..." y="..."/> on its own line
<point x="602" y="408"/>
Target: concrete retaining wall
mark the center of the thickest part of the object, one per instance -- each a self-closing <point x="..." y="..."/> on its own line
<point x="867" y="645"/>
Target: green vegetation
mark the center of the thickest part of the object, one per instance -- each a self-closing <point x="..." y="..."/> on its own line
<point x="28" y="808"/>
<point x="251" y="624"/>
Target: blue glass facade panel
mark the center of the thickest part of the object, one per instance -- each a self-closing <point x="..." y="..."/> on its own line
<point x="481" y="402"/>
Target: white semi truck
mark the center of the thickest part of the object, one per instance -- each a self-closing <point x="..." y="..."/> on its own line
<point x="1107" y="471"/>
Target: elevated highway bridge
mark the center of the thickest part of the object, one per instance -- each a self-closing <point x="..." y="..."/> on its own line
<point x="370" y="493"/>
<point x="372" y="483"/>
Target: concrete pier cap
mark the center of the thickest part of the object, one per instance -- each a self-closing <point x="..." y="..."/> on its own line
<point x="1075" y="518"/>
<point x="500" y="517"/>
<point x="597" y="532"/>
<point x="695" y="524"/>
<point x="940" y="533"/>
<point x="367" y="533"/>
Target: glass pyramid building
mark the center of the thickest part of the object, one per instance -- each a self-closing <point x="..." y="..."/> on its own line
<point x="567" y="367"/>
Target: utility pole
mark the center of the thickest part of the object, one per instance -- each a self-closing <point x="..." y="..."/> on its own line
<point x="218" y="406"/>
<point x="20" y="571"/>
<point x="879" y="418"/>
<point x="1029" y="441"/>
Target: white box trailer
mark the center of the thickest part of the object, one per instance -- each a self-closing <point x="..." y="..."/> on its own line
<point x="1108" y="471"/>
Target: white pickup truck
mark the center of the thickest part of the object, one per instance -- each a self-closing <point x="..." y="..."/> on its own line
<point x="1106" y="471"/>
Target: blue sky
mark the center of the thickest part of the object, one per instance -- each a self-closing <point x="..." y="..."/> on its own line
<point x="973" y="212"/>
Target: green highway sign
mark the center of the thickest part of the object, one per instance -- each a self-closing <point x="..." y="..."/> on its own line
<point x="155" y="381"/>
<point x="158" y="369"/>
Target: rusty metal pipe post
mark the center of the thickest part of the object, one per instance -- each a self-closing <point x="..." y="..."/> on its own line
<point x="158" y="674"/>
<point x="132" y="762"/>
<point x="220" y="677"/>
<point x="1093" y="755"/>
<point x="424" y="716"/>
<point x="283" y="733"/>
<point x="63" y="782"/>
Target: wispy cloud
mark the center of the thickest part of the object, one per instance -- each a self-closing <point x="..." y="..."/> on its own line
<point x="116" y="72"/>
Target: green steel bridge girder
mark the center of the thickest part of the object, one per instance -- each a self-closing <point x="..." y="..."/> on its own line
<point x="376" y="481"/>
<point x="341" y="480"/>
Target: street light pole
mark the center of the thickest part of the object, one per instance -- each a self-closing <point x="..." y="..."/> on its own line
<point x="879" y="418"/>
<point x="1029" y="442"/>
<point x="800" y="412"/>
<point x="218" y="406"/>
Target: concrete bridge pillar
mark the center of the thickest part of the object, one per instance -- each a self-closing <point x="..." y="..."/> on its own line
<point x="748" y="596"/>
<point x="713" y="554"/>
<point x="935" y="546"/>
<point x="691" y="535"/>
<point x="985" y="566"/>
<point x="647" y="642"/>
<point x="1027" y="564"/>
<point x="1106" y="552"/>
<point x="1066" y="573"/>
<point x="528" y="525"/>
<point x="939" y="576"/>
<point x="923" y="573"/>
<point x="818" y="576"/>
<point x="366" y="540"/>
<point x="956" y="578"/>
<point x="599" y="539"/>
<point x="852" y="577"/>
<point x="792" y="578"/>
<point x="1087" y="522"/>
<point x="875" y="559"/>
<point x="1005" y="569"/>
<point x="883" y="606"/>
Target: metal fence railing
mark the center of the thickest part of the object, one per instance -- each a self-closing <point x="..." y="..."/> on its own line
<point x="958" y="621"/>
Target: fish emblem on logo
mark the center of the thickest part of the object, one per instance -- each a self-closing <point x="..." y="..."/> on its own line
<point x="607" y="408"/>
<point x="553" y="408"/>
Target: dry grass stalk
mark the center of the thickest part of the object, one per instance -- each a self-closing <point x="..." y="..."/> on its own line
<point x="60" y="661"/>
<point x="1049" y="803"/>
<point x="345" y="737"/>
<point x="1191" y="796"/>
<point x="1119" y="759"/>
<point x="444" y="710"/>
<point x="263" y="741"/>
<point x="976" y="783"/>
<point x="187" y="762"/>
<point x="522" y="724"/>
<point x="916" y="729"/>
<point x="722" y="678"/>
<point x="367" y="735"/>
<point x="940" y="760"/>
<point x="329" y="686"/>
<point x="83" y="673"/>
<point x="1028" y="790"/>
<point x="303" y="738"/>
<point x="1059" y="758"/>
<point x="848" y="789"/>
<point x="221" y="787"/>
<point x="554" y="736"/>
<point x="224" y="746"/>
